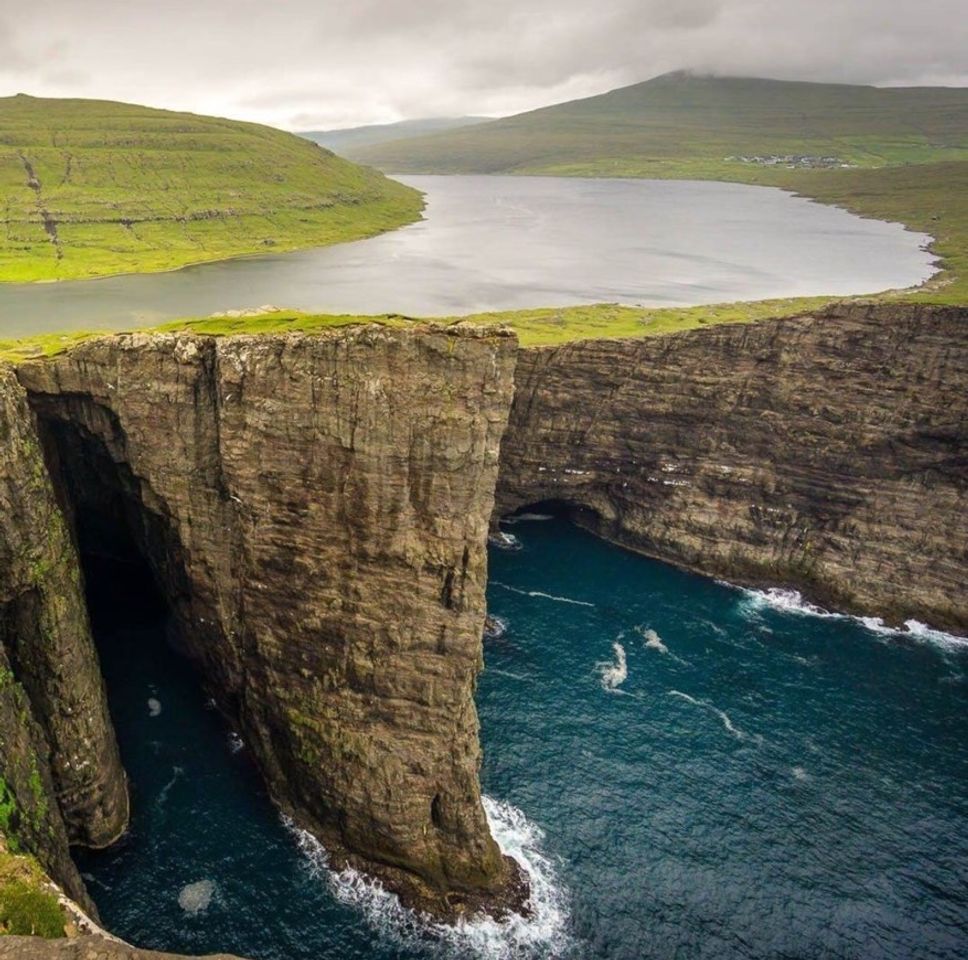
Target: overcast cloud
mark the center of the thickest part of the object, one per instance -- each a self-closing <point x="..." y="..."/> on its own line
<point x="303" y="64"/>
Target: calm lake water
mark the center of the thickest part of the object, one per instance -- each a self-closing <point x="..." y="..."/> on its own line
<point x="689" y="771"/>
<point x="496" y="243"/>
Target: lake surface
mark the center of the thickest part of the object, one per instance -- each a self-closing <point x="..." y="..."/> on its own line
<point x="500" y="243"/>
<point x="689" y="770"/>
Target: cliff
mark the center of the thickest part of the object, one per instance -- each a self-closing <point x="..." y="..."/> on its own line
<point x="82" y="948"/>
<point x="824" y="452"/>
<point x="315" y="511"/>
<point x="60" y="776"/>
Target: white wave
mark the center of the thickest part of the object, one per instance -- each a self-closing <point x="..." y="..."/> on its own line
<point x="652" y="640"/>
<point x="154" y="707"/>
<point x="236" y="743"/>
<point x="542" y="934"/>
<point x="196" y="897"/>
<point x="538" y="593"/>
<point x="507" y="673"/>
<point x="176" y="773"/>
<point x="614" y="672"/>
<point x="504" y="541"/>
<point x="706" y="705"/>
<point x="525" y="517"/>
<point x="494" y="627"/>
<point x="791" y="601"/>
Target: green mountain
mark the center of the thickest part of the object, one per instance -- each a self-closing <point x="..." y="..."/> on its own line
<point x="681" y="123"/>
<point x="94" y="187"/>
<point x="346" y="141"/>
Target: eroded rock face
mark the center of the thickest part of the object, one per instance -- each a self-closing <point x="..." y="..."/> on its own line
<point x="61" y="774"/>
<point x="83" y="948"/>
<point x="315" y="509"/>
<point x="825" y="452"/>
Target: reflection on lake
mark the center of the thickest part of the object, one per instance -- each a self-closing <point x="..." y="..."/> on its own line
<point x="496" y="243"/>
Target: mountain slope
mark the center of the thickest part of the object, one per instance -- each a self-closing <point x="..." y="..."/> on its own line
<point x="346" y="141"/>
<point x="95" y="187"/>
<point x="680" y="119"/>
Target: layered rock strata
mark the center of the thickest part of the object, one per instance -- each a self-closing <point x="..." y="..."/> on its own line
<point x="61" y="775"/>
<point x="315" y="511"/>
<point x="83" y="948"/>
<point x="825" y="452"/>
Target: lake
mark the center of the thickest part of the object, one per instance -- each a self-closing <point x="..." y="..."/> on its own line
<point x="501" y="243"/>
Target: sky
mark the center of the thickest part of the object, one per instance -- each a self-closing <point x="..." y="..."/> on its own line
<point x="317" y="64"/>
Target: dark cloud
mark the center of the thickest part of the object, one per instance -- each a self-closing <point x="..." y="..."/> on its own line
<point x="305" y="63"/>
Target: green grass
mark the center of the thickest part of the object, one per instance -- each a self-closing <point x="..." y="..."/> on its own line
<point x="680" y="117"/>
<point x="93" y="188"/>
<point x="539" y="327"/>
<point x="28" y="907"/>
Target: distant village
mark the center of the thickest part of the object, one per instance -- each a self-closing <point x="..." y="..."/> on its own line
<point x="793" y="161"/>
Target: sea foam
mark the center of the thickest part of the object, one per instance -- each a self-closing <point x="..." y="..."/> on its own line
<point x="614" y="672"/>
<point x="706" y="705"/>
<point x="792" y="601"/>
<point x="540" y="935"/>
<point x="543" y="596"/>
<point x="196" y="897"/>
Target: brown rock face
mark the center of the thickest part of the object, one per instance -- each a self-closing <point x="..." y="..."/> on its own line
<point x="83" y="948"/>
<point x="825" y="452"/>
<point x="315" y="510"/>
<point x="58" y="756"/>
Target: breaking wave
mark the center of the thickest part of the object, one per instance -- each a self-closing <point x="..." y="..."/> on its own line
<point x="792" y="601"/>
<point x="538" y="593"/>
<point x="652" y="641"/>
<point x="541" y="936"/>
<point x="706" y="705"/>
<point x="504" y="541"/>
<point x="524" y="517"/>
<point x="614" y="672"/>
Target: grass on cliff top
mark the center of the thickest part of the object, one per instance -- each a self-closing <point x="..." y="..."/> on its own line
<point x="540" y="327"/>
<point x="93" y="188"/>
<point x="27" y="907"/>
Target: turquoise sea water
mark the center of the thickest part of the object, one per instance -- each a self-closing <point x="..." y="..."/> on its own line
<point x="689" y="770"/>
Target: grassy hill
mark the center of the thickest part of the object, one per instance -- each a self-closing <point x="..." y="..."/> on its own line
<point x="347" y="140"/>
<point x="678" y="117"/>
<point x="92" y="188"/>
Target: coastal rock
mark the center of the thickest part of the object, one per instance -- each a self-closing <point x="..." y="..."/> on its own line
<point x="315" y="510"/>
<point x="824" y="452"/>
<point x="83" y="948"/>
<point x="61" y="774"/>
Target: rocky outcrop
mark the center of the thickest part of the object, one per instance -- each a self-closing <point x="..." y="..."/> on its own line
<point x="315" y="510"/>
<point x="82" y="948"/>
<point x="825" y="452"/>
<point x="61" y="777"/>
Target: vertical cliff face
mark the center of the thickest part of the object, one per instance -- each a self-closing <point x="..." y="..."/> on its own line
<point x="315" y="510"/>
<point x="61" y="775"/>
<point x="826" y="452"/>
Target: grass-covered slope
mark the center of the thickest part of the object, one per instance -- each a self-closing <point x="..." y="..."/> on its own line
<point x="92" y="188"/>
<point x="680" y="117"/>
<point x="348" y="139"/>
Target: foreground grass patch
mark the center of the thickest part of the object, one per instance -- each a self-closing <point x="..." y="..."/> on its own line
<point x="27" y="906"/>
